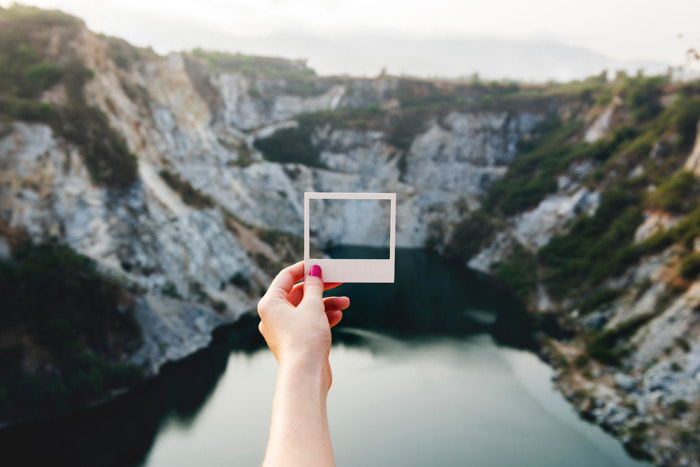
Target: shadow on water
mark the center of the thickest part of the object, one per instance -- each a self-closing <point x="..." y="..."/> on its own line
<point x="122" y="432"/>
<point x="430" y="298"/>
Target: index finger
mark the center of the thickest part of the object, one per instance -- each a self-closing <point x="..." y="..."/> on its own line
<point x="283" y="282"/>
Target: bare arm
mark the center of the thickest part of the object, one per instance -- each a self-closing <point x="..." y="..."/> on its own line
<point x="296" y="322"/>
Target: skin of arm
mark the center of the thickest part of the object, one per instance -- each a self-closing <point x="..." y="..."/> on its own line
<point x="295" y="321"/>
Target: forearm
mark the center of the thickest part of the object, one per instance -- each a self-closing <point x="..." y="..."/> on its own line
<point x="299" y="434"/>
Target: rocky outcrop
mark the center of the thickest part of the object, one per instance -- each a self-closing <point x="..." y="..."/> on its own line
<point x="693" y="162"/>
<point x="172" y="329"/>
<point x="207" y="218"/>
<point x="630" y="362"/>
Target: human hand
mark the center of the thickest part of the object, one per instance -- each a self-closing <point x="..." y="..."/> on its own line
<point x="296" y="319"/>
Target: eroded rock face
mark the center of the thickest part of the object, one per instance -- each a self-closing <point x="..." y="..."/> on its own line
<point x="172" y="330"/>
<point x="198" y="127"/>
<point x="191" y="259"/>
<point x="163" y="247"/>
<point x="646" y="392"/>
<point x="181" y="128"/>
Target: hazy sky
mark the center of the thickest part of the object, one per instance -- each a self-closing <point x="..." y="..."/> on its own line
<point x="622" y="29"/>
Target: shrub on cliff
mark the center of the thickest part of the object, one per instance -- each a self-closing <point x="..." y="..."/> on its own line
<point x="187" y="192"/>
<point x="683" y="233"/>
<point x="404" y="126"/>
<point x="64" y="329"/>
<point x="677" y="194"/>
<point x="103" y="149"/>
<point x="291" y="145"/>
<point x="24" y="71"/>
<point x="469" y="236"/>
<point x="596" y="247"/>
<point x="532" y="175"/>
<point x="690" y="267"/>
<point x="642" y="94"/>
<point x="253" y="65"/>
<point x="518" y="272"/>
<point x="610" y="346"/>
<point x="27" y="70"/>
<point x="686" y="119"/>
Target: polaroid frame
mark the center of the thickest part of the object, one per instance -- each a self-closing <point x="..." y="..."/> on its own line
<point x="352" y="270"/>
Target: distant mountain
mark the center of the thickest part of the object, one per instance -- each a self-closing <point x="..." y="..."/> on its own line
<point x="368" y="53"/>
<point x="530" y="60"/>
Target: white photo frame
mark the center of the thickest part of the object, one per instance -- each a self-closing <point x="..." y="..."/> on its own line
<point x="352" y="270"/>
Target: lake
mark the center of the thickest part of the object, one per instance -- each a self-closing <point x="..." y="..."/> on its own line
<point x="433" y="370"/>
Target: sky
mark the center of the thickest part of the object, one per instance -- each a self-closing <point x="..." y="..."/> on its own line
<point x="635" y="31"/>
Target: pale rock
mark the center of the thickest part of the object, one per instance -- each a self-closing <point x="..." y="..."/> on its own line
<point x="172" y="330"/>
<point x="693" y="162"/>
<point x="625" y="382"/>
<point x="535" y="228"/>
<point x="5" y="252"/>
<point x="662" y="331"/>
<point x="497" y="250"/>
<point x="654" y="221"/>
<point x="601" y="125"/>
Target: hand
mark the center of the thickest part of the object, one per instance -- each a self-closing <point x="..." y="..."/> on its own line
<point x="296" y="319"/>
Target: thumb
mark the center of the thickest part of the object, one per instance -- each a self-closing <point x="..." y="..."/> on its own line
<point x="313" y="286"/>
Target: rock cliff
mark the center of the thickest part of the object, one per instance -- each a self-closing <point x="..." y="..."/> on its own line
<point x="570" y="194"/>
<point x="167" y="170"/>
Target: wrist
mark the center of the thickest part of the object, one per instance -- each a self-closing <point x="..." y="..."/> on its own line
<point x="304" y="370"/>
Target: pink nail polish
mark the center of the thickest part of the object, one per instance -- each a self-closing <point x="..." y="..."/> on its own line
<point x="315" y="271"/>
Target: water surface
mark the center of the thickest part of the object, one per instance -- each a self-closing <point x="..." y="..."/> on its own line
<point x="418" y="380"/>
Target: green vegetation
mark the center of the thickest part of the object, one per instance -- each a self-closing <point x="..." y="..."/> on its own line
<point x="595" y="248"/>
<point x="518" y="271"/>
<point x="292" y="145"/>
<point x="608" y="346"/>
<point x="683" y="344"/>
<point x="635" y="447"/>
<point x="684" y="233"/>
<point x="104" y="151"/>
<point x="361" y="118"/>
<point x="64" y="328"/>
<point x="574" y="264"/>
<point x="187" y="192"/>
<point x="690" y="267"/>
<point x="685" y="120"/>
<point x="597" y="298"/>
<point x="404" y="126"/>
<point x="24" y="72"/>
<point x="581" y="361"/>
<point x="297" y="144"/>
<point x="673" y="129"/>
<point x="256" y="66"/>
<point x="27" y="70"/>
<point x="642" y="95"/>
<point x="170" y="290"/>
<point x="532" y="175"/>
<point x="241" y="281"/>
<point x="123" y="54"/>
<point x="29" y="16"/>
<point x="470" y="235"/>
<point x="677" y="194"/>
<point x="679" y="407"/>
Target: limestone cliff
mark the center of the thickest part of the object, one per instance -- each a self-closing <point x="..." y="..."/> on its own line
<point x="610" y="251"/>
<point x="152" y="166"/>
<point x="194" y="199"/>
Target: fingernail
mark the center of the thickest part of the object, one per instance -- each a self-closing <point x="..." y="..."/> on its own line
<point x="315" y="271"/>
